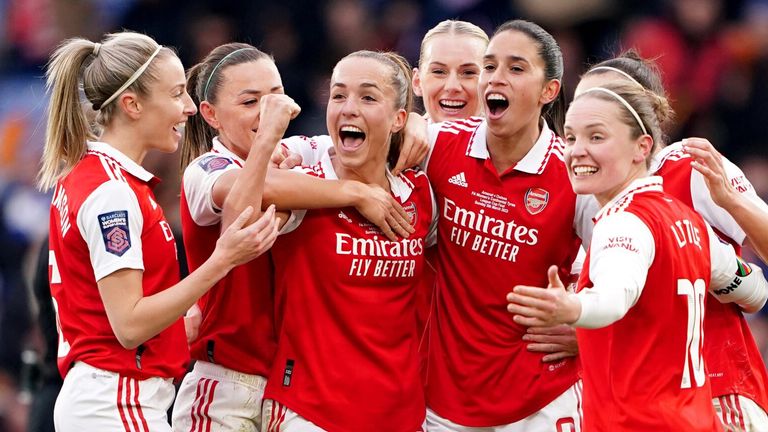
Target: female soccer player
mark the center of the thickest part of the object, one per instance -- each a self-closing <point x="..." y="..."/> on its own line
<point x="242" y="106"/>
<point x="698" y="175"/>
<point x="504" y="217"/>
<point x="640" y="300"/>
<point x="347" y="348"/>
<point x="450" y="60"/>
<point x="114" y="273"/>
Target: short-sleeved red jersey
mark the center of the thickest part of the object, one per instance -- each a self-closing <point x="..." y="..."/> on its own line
<point x="734" y="363"/>
<point x="104" y="218"/>
<point x="495" y="231"/>
<point x="238" y="327"/>
<point x="347" y="347"/>
<point x="645" y="371"/>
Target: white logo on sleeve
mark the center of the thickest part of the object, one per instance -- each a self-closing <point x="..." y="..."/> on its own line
<point x="459" y="180"/>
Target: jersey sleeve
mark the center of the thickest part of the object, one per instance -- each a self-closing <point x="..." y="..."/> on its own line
<point x="733" y="280"/>
<point x="433" y="130"/>
<point x="621" y="253"/>
<point x="111" y="223"/>
<point x="587" y="208"/>
<point x="199" y="178"/>
<point x="716" y="215"/>
<point x="297" y="216"/>
<point x="311" y="149"/>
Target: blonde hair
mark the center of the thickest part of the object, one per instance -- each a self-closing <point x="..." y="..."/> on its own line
<point x="99" y="69"/>
<point x="455" y="28"/>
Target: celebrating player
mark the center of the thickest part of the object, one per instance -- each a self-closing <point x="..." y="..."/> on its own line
<point x="114" y="272"/>
<point x="347" y="347"/>
<point x="239" y="92"/>
<point x="504" y="217"/>
<point x="649" y="266"/>
<point x="699" y="176"/>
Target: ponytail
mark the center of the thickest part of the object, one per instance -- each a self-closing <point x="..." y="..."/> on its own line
<point x="198" y="134"/>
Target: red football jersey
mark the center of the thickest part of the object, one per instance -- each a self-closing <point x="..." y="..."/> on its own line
<point x="645" y="371"/>
<point x="494" y="232"/>
<point x="347" y="347"/>
<point x="104" y="218"/>
<point x="238" y="327"/>
<point x="733" y="360"/>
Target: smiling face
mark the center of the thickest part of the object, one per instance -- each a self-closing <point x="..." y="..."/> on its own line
<point x="513" y="84"/>
<point x="166" y="106"/>
<point x="361" y="114"/>
<point x="448" y="76"/>
<point x="601" y="156"/>
<point x="235" y="112"/>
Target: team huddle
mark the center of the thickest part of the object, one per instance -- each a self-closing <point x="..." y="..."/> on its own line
<point x="498" y="263"/>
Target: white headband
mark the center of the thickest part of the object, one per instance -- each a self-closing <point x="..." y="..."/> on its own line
<point x="133" y="78"/>
<point x="623" y="102"/>
<point x="618" y="71"/>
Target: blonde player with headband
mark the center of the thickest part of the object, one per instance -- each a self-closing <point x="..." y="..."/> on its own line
<point x="718" y="190"/>
<point x="650" y="264"/>
<point x="114" y="270"/>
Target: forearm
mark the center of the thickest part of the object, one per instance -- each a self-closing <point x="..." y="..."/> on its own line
<point x="754" y="221"/>
<point x="289" y="190"/>
<point x="601" y="307"/>
<point x="145" y="317"/>
<point x="248" y="188"/>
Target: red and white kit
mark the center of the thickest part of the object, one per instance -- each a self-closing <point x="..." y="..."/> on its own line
<point x="236" y="341"/>
<point x="647" y="272"/>
<point x="347" y="353"/>
<point x="735" y="366"/>
<point x="496" y="231"/>
<point x="104" y="218"/>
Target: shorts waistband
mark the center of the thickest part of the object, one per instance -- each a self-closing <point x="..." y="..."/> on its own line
<point x="219" y="372"/>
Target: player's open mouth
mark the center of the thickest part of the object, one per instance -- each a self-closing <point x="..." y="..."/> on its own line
<point x="452" y="106"/>
<point x="179" y="128"/>
<point x="497" y="104"/>
<point x="584" y="171"/>
<point x="352" y="137"/>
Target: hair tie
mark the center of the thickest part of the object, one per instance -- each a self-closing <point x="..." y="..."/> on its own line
<point x="213" y="71"/>
<point x="618" y="71"/>
<point x="96" y="48"/>
<point x="133" y="78"/>
<point x="623" y="102"/>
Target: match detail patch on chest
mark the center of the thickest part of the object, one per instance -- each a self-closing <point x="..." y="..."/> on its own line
<point x="115" y="231"/>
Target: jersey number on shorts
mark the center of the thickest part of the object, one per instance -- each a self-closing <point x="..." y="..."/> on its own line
<point x="694" y="293"/>
<point x="56" y="279"/>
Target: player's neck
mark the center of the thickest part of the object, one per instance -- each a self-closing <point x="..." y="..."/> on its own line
<point x="124" y="141"/>
<point x="507" y="150"/>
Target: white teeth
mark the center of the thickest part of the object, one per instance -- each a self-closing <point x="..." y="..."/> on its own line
<point x="496" y="96"/>
<point x="351" y="129"/>
<point x="584" y="170"/>
<point x="453" y="103"/>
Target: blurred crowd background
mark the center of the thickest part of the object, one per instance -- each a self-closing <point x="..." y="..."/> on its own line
<point x="713" y="55"/>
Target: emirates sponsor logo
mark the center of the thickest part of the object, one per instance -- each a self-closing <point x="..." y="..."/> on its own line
<point x="536" y="200"/>
<point x="376" y="247"/>
<point x="479" y="221"/>
<point x="459" y="180"/>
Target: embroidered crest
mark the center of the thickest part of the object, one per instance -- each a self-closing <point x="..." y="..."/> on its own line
<point x="536" y="200"/>
<point x="413" y="215"/>
<point x="214" y="163"/>
<point x="115" y="232"/>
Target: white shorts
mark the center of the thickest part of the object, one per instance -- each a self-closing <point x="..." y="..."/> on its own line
<point x="279" y="418"/>
<point x="740" y="414"/>
<point x="561" y="415"/>
<point x="214" y="398"/>
<point x="93" y="399"/>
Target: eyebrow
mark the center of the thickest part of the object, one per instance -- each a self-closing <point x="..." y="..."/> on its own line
<point x="443" y="64"/>
<point x="512" y="58"/>
<point x="258" y="92"/>
<point x="366" y="84"/>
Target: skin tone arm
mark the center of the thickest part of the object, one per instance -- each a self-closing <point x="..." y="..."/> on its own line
<point x="751" y="219"/>
<point x="135" y="318"/>
<point x="276" y="111"/>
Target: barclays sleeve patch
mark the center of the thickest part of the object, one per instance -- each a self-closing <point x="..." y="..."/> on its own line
<point x="115" y="231"/>
<point x="214" y="163"/>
